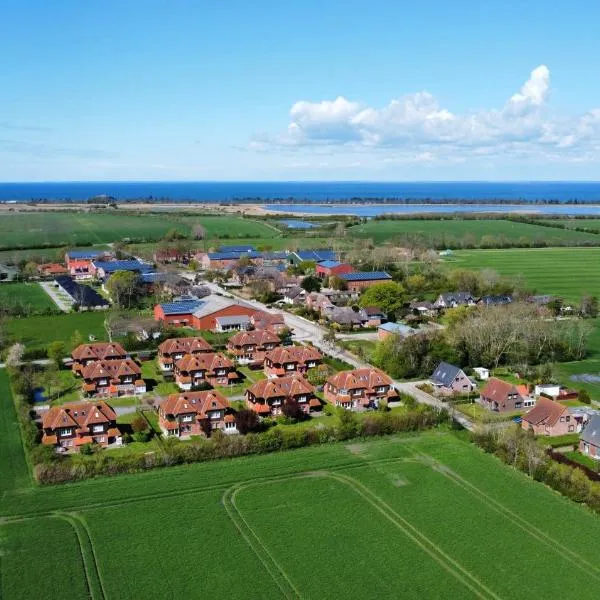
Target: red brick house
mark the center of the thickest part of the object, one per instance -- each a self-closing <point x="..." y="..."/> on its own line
<point x="79" y="262"/>
<point x="288" y="360"/>
<point x="359" y="389"/>
<point x="212" y="368"/>
<point x="207" y="321"/>
<point x="195" y="413"/>
<point x="177" y="314"/>
<point x="85" y="354"/>
<point x="268" y="396"/>
<point x="501" y="396"/>
<point x="72" y="425"/>
<point x="173" y="349"/>
<point x="356" y="282"/>
<point x="51" y="269"/>
<point x="250" y="347"/>
<point x="110" y="378"/>
<point x="589" y="439"/>
<point x="549" y="418"/>
<point x="329" y="268"/>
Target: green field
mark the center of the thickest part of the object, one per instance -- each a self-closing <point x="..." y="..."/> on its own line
<point x="29" y="295"/>
<point x="411" y="516"/>
<point x="455" y="232"/>
<point x="572" y="223"/>
<point x="565" y="272"/>
<point x="73" y="228"/>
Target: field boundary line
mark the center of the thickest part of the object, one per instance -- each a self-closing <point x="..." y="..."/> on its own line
<point x="88" y="558"/>
<point x="409" y="530"/>
<point x="288" y="589"/>
<point x="546" y="539"/>
<point x="414" y="534"/>
<point x="194" y="490"/>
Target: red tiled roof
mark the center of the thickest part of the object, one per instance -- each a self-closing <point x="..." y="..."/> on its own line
<point x="281" y="387"/>
<point x="204" y="362"/>
<point x="98" y="351"/>
<point x="359" y="379"/>
<point x="545" y="411"/>
<point x="293" y="354"/>
<point x="80" y="415"/>
<point x="111" y="369"/>
<point x="255" y="337"/>
<point x="194" y="402"/>
<point x="497" y="390"/>
<point x="185" y="345"/>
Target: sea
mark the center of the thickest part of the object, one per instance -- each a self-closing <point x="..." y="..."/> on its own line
<point x="559" y="197"/>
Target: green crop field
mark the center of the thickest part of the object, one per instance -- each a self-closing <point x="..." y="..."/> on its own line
<point x="27" y="295"/>
<point x="565" y="272"/>
<point x="572" y="223"/>
<point x="454" y="232"/>
<point x="411" y="516"/>
<point x="73" y="228"/>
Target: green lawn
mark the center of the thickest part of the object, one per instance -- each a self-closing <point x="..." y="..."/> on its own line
<point x="30" y="296"/>
<point x="155" y="381"/>
<point x="454" y="233"/>
<point x="412" y="516"/>
<point x="582" y="459"/>
<point x="19" y="230"/>
<point x="565" y="272"/>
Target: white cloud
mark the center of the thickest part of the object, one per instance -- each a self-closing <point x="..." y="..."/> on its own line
<point x="415" y="125"/>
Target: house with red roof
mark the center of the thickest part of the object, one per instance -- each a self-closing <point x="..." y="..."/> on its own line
<point x="113" y="378"/>
<point x="359" y="389"/>
<point x="86" y="354"/>
<point x="250" y="347"/>
<point x="195" y="413"/>
<point x="194" y="370"/>
<point x="267" y="397"/>
<point x="330" y="268"/>
<point x="174" y="349"/>
<point x="549" y="418"/>
<point x="501" y="396"/>
<point x="70" y="426"/>
<point x="51" y="269"/>
<point x="288" y="360"/>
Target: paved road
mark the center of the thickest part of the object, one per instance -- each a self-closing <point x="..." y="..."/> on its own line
<point x="308" y="331"/>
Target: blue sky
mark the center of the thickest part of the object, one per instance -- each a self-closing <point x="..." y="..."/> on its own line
<point x="259" y="90"/>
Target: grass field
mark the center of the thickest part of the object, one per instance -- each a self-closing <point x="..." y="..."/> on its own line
<point x="572" y="223"/>
<point x="73" y="228"/>
<point x="412" y="516"/>
<point x="451" y="232"/>
<point x="565" y="272"/>
<point x="29" y="295"/>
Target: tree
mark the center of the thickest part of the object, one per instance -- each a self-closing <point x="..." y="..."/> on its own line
<point x="49" y="379"/>
<point x="246" y="420"/>
<point x="173" y="234"/>
<point x="198" y="231"/>
<point x="387" y="296"/>
<point x="589" y="307"/>
<point x="15" y="355"/>
<point x="330" y="338"/>
<point x="337" y="283"/>
<point x="29" y="270"/>
<point x="56" y="352"/>
<point x="76" y="340"/>
<point x="311" y="284"/>
<point x="292" y="409"/>
<point x="123" y="287"/>
<point x="584" y="397"/>
<point x="139" y="424"/>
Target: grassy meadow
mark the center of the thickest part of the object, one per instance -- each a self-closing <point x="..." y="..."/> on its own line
<point x="453" y="232"/>
<point x="29" y="295"/>
<point x="410" y="516"/>
<point x="565" y="272"/>
<point x="25" y="230"/>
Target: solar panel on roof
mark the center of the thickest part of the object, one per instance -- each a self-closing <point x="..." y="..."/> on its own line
<point x="181" y="308"/>
<point x="365" y="276"/>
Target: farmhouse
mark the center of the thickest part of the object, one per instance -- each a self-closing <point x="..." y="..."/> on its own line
<point x="267" y="397"/>
<point x="549" y="418"/>
<point x="85" y="354"/>
<point x="72" y="425"/>
<point x="359" y="389"/>
<point x="79" y="262"/>
<point x="250" y="347"/>
<point x="120" y="377"/>
<point x="330" y="268"/>
<point x="356" y="282"/>
<point x="454" y="299"/>
<point x="212" y="368"/>
<point x="218" y="261"/>
<point x="589" y="440"/>
<point x="494" y="300"/>
<point x="173" y="349"/>
<point x="51" y="269"/>
<point x="292" y="359"/>
<point x="104" y="269"/>
<point x="448" y="379"/>
<point x="344" y="316"/>
<point x="195" y="413"/>
<point x="501" y="396"/>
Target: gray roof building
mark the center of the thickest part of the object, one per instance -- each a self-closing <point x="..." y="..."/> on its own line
<point x="591" y="431"/>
